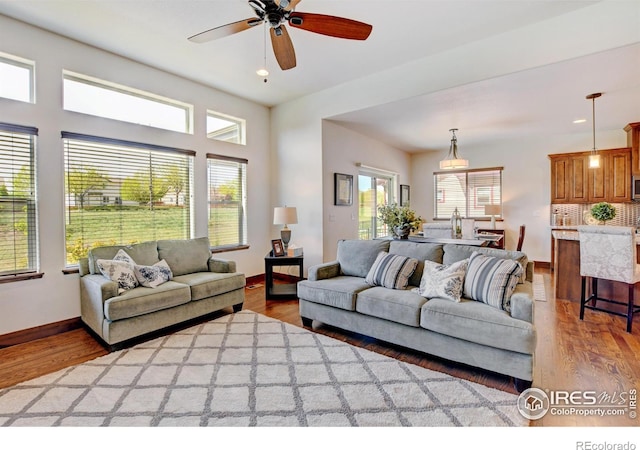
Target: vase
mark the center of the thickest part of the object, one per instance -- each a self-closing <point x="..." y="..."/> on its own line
<point x="401" y="231"/>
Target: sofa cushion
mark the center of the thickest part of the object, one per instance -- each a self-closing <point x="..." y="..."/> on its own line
<point x="339" y="292"/>
<point x="442" y="281"/>
<point x="143" y="300"/>
<point x="391" y="271"/>
<point x="394" y="305"/>
<point x="491" y="280"/>
<point x="209" y="284"/>
<point x="185" y="255"/>
<point x="454" y="252"/>
<point x="356" y="257"/>
<point x="476" y="322"/>
<point x="153" y="276"/>
<point x="145" y="253"/>
<point x="420" y="251"/>
<point x="119" y="269"/>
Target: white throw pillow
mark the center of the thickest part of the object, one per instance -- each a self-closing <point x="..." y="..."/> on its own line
<point x="492" y="280"/>
<point x="153" y="276"/>
<point x="124" y="256"/>
<point x="119" y="271"/>
<point x="443" y="281"/>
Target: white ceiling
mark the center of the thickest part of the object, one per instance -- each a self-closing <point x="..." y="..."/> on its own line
<point x="155" y="32"/>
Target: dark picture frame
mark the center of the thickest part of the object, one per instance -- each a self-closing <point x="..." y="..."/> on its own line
<point x="343" y="187"/>
<point x="277" y="248"/>
<point x="405" y="194"/>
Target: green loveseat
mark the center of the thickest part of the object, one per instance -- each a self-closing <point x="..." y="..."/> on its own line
<point x="501" y="340"/>
<point x="199" y="285"/>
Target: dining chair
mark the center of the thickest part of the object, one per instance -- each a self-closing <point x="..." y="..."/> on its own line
<point x="608" y="253"/>
<point x="520" y="238"/>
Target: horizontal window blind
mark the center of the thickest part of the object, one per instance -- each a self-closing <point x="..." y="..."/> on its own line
<point x="468" y="190"/>
<point x="18" y="206"/>
<point x="227" y="179"/>
<point x="121" y="192"/>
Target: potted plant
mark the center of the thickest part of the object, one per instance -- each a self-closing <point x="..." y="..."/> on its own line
<point x="603" y="211"/>
<point x="400" y="220"/>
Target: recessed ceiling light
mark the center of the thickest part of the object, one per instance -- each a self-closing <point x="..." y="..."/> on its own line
<point x="580" y="121"/>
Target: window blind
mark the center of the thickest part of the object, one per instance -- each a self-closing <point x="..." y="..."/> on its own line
<point x="18" y="208"/>
<point x="120" y="192"/>
<point x="468" y="190"/>
<point x="227" y="179"/>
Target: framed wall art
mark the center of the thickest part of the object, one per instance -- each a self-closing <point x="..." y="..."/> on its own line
<point x="405" y="192"/>
<point x="343" y="186"/>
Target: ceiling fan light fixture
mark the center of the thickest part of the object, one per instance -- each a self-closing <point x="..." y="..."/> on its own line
<point x="453" y="161"/>
<point x="262" y="72"/>
<point x="594" y="157"/>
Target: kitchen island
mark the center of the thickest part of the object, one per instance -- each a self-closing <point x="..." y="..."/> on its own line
<point x="567" y="270"/>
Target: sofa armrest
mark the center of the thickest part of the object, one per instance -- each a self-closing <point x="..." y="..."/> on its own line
<point x="522" y="303"/>
<point x="98" y="288"/>
<point x="323" y="271"/>
<point x="221" y="265"/>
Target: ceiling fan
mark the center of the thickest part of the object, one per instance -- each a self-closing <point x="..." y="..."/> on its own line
<point x="275" y="13"/>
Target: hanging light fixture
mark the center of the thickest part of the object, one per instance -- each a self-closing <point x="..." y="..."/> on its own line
<point x="453" y="161"/>
<point x="263" y="72"/>
<point x="594" y="157"/>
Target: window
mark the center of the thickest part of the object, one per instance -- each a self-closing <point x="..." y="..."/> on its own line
<point x="227" y="201"/>
<point x="16" y="78"/>
<point x="225" y="128"/>
<point x="100" y="98"/>
<point x="375" y="188"/>
<point x="18" y="209"/>
<point x="468" y="190"/>
<point x="119" y="192"/>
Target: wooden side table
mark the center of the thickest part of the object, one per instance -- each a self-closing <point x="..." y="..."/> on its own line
<point x="281" y="291"/>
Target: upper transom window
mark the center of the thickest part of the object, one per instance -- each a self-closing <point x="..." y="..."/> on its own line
<point x="100" y="98"/>
<point x="16" y="78"/>
<point x="225" y="128"/>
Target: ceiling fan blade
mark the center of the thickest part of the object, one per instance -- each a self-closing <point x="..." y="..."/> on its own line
<point x="287" y="5"/>
<point x="283" y="47"/>
<point x="330" y="25"/>
<point x="225" y="30"/>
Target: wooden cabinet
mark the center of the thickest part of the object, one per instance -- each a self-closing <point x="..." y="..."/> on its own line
<point x="572" y="181"/>
<point x="633" y="141"/>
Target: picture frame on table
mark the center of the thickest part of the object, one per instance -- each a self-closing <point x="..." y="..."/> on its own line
<point x="277" y="248"/>
<point x="405" y="193"/>
<point x="343" y="185"/>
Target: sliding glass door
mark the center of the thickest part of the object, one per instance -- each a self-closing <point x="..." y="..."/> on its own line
<point x="374" y="190"/>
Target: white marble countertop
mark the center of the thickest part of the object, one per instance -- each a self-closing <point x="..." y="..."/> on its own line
<point x="568" y="235"/>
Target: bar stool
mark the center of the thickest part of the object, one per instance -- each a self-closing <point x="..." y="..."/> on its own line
<point x="608" y="253"/>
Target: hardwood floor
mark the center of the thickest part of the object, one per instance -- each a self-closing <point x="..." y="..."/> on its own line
<point x="572" y="355"/>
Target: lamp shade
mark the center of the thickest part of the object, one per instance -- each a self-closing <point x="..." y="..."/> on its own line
<point x="285" y="215"/>
<point x="492" y="210"/>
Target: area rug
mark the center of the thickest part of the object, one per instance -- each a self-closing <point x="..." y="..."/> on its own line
<point x="246" y="369"/>
<point x="539" y="294"/>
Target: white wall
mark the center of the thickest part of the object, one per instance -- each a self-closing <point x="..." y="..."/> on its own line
<point x="55" y="297"/>
<point x="342" y="149"/>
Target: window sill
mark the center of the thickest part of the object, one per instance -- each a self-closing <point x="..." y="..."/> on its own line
<point x="20" y="277"/>
<point x="229" y="249"/>
<point x="70" y="271"/>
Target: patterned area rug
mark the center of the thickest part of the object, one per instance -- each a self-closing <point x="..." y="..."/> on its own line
<point x="539" y="294"/>
<point x="247" y="369"/>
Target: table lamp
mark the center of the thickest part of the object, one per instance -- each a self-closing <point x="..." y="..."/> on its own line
<point x="493" y="211"/>
<point x="284" y="215"/>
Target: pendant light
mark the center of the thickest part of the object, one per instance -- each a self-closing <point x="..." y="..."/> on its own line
<point x="594" y="157"/>
<point x="453" y="161"/>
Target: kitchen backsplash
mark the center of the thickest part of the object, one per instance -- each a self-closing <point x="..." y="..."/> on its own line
<point x="626" y="213"/>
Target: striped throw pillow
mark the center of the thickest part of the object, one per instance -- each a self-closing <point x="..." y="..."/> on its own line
<point x="391" y="271"/>
<point x="491" y="280"/>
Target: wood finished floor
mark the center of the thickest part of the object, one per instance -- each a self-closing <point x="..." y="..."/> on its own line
<point x="595" y="354"/>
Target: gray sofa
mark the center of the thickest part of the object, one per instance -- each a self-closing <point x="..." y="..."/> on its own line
<point x="200" y="285"/>
<point x="469" y="331"/>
